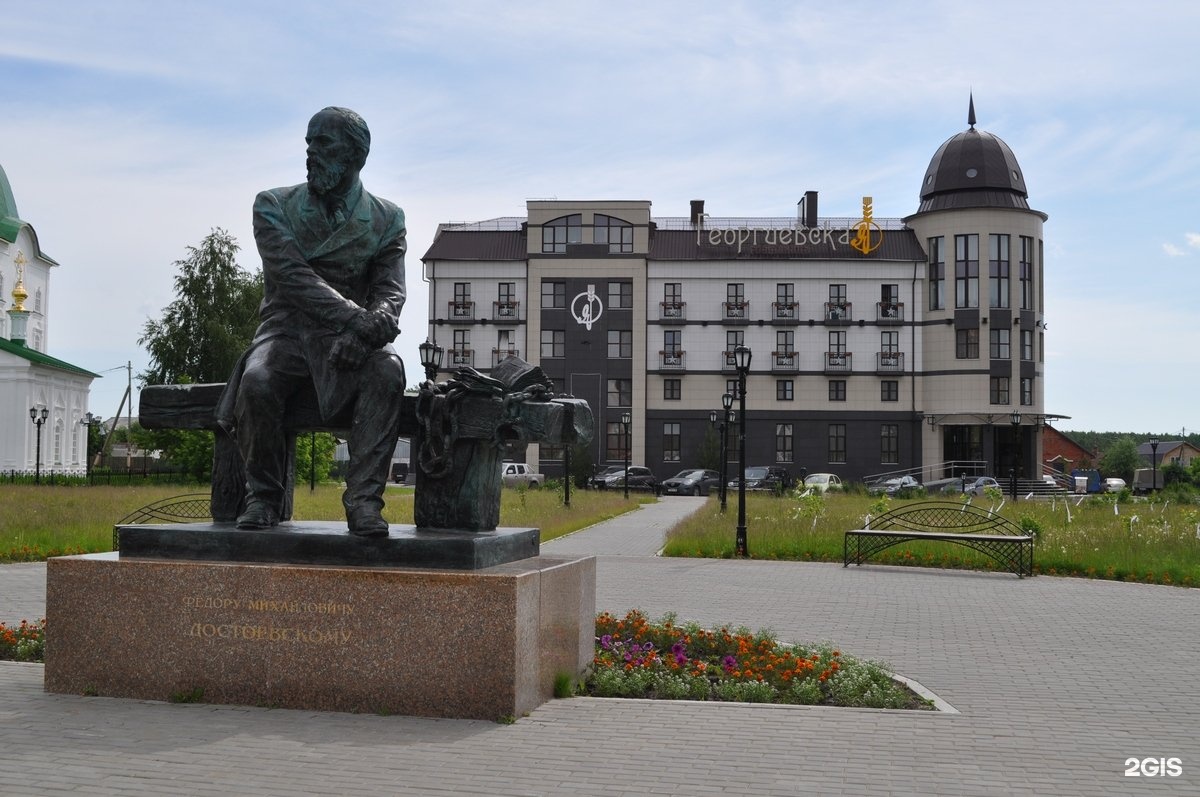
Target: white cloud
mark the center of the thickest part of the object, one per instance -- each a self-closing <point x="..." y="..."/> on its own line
<point x="1173" y="251"/>
<point x="1193" y="239"/>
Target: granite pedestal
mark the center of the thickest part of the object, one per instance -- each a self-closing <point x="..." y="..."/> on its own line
<point x="482" y="644"/>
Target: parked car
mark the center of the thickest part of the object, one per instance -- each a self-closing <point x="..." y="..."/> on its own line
<point x="639" y="479"/>
<point x="977" y="486"/>
<point x="1114" y="485"/>
<point x="598" y="481"/>
<point x="823" y="482"/>
<point x="518" y="474"/>
<point x="772" y="478"/>
<point x="893" y="486"/>
<point x="691" y="482"/>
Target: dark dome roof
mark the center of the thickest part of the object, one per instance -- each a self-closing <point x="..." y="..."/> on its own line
<point x="973" y="169"/>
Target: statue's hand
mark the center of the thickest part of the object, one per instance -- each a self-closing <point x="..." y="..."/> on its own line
<point x="348" y="352"/>
<point x="375" y="327"/>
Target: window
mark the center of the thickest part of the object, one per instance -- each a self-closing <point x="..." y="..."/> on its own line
<point x="462" y="301"/>
<point x="966" y="271"/>
<point x="889" y="390"/>
<point x="783" y="442"/>
<point x="735" y="300"/>
<point x="837" y="443"/>
<point x="999" y="344"/>
<point x="837" y="342"/>
<point x="554" y="343"/>
<point x="620" y="392"/>
<point x="506" y="292"/>
<point x="785" y="300"/>
<point x="670" y="442"/>
<point x="937" y="273"/>
<point x="620" y="344"/>
<point x="620" y="295"/>
<point x="1041" y="276"/>
<point x="617" y="233"/>
<point x="1026" y="272"/>
<point x="461" y="353"/>
<point x="889" y="444"/>
<point x="1027" y="344"/>
<point x="673" y="292"/>
<point x="614" y="441"/>
<point x="889" y="342"/>
<point x="672" y="342"/>
<point x="966" y="344"/>
<point x="785" y="389"/>
<point x="837" y="389"/>
<point x="560" y="232"/>
<point x="554" y="295"/>
<point x="889" y="295"/>
<point x="733" y="339"/>
<point x="1027" y="391"/>
<point x="672" y="389"/>
<point x="998" y="390"/>
<point x="785" y="342"/>
<point x="998" y="270"/>
<point x="731" y="387"/>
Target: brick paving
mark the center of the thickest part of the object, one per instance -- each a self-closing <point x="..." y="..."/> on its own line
<point x="1057" y="681"/>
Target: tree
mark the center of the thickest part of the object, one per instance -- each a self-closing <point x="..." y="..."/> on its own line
<point x="708" y="456"/>
<point x="1122" y="459"/>
<point x="200" y="336"/>
<point x="325" y="446"/>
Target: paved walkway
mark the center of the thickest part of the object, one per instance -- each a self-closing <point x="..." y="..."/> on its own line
<point x="1058" y="682"/>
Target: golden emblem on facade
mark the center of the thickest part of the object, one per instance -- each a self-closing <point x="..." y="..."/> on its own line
<point x="868" y="235"/>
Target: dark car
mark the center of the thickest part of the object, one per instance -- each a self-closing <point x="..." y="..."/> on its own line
<point x="771" y="478"/>
<point x="599" y="481"/>
<point x="691" y="482"/>
<point x="639" y="479"/>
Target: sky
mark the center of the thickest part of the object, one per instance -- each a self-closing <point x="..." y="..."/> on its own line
<point x="133" y="129"/>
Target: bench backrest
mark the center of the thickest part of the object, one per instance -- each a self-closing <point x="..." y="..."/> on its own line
<point x="945" y="516"/>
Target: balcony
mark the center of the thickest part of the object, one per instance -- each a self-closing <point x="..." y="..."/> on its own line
<point x="500" y="355"/>
<point x="889" y="312"/>
<point x="735" y="312"/>
<point x="672" y="312"/>
<point x="839" y="313"/>
<point x="461" y="357"/>
<point x="506" y="312"/>
<point x="889" y="362"/>
<point x="838" y="362"/>
<point x="671" y="360"/>
<point x="785" y="313"/>
<point x="728" y="363"/>
<point x="461" y="311"/>
<point x="785" y="362"/>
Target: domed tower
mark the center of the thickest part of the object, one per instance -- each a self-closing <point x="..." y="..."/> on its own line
<point x="983" y="354"/>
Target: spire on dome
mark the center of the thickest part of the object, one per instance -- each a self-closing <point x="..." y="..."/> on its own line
<point x="971" y="111"/>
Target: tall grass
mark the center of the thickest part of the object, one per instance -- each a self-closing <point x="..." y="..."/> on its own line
<point x="41" y="521"/>
<point x="1147" y="541"/>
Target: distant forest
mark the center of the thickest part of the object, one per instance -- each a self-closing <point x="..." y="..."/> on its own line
<point x="1101" y="441"/>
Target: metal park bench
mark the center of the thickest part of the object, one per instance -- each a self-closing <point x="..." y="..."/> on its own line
<point x="939" y="521"/>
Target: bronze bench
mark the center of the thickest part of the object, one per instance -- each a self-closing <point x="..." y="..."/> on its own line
<point x="940" y="521"/>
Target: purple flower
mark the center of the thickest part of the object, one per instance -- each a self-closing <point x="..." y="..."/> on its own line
<point x="678" y="648"/>
<point x="680" y="658"/>
<point x="729" y="663"/>
<point x="628" y="657"/>
<point x="606" y="641"/>
<point x="636" y="648"/>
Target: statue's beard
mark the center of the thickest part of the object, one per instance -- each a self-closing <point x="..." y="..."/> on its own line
<point x="323" y="176"/>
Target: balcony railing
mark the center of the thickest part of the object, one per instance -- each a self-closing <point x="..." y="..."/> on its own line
<point x="839" y="312"/>
<point x="889" y="362"/>
<point x="838" y="362"/>
<point x="500" y="355"/>
<point x="889" y="312"/>
<point x="459" y="357"/>
<point x="785" y="362"/>
<point x="785" y="313"/>
<point x="506" y="312"/>
<point x="728" y="362"/>
<point x="462" y="311"/>
<point x="735" y="312"/>
<point x="672" y="312"/>
<point x="672" y="360"/>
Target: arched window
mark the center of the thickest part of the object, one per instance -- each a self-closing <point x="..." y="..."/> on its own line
<point x="562" y="231"/>
<point x="58" y="442"/>
<point x="616" y="233"/>
<point x="37" y="300"/>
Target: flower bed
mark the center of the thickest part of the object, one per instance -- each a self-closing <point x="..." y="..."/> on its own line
<point x="636" y="657"/>
<point x="26" y="642"/>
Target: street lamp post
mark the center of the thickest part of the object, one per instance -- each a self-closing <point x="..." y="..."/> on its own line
<point x="727" y="404"/>
<point x="627" y="419"/>
<point x="741" y="358"/>
<point x="431" y="358"/>
<point x="1016" y="425"/>
<point x="38" y="419"/>
<point x="1153" y="463"/>
<point x="88" y="421"/>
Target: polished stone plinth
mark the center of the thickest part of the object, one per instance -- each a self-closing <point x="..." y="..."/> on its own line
<point x="484" y="644"/>
<point x="317" y="542"/>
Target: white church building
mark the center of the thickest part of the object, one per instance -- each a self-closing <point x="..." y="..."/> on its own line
<point x="43" y="400"/>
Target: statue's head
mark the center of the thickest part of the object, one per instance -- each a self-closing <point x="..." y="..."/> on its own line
<point x="338" y="143"/>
